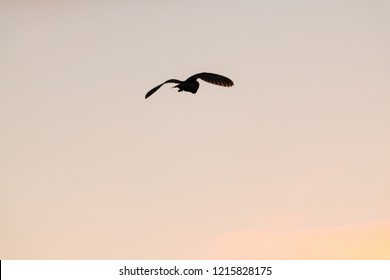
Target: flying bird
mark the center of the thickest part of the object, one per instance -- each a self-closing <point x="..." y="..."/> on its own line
<point x="192" y="85"/>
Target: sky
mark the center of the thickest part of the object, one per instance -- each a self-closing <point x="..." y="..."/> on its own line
<point x="292" y="162"/>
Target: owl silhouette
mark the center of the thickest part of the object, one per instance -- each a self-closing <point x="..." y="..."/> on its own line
<point x="192" y="85"/>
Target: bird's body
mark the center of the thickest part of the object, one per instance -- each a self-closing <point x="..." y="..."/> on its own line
<point x="192" y="85"/>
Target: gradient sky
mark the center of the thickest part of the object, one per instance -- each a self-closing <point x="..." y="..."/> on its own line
<point x="293" y="162"/>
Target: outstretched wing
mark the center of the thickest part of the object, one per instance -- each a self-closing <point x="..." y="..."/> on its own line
<point x="153" y="90"/>
<point x="213" y="79"/>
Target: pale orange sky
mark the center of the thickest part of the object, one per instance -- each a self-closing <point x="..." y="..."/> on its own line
<point x="296" y="154"/>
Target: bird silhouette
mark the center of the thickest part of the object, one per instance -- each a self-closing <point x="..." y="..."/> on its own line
<point x="192" y="85"/>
